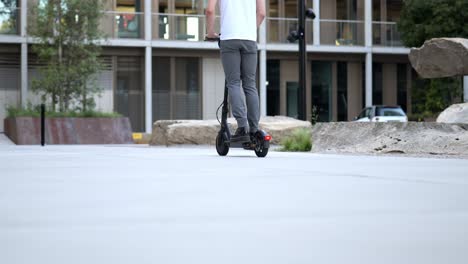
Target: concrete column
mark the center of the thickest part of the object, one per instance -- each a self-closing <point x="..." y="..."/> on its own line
<point x="263" y="70"/>
<point x="368" y="79"/>
<point x="148" y="21"/>
<point x="368" y="23"/>
<point x="389" y="89"/>
<point x="368" y="44"/>
<point x="24" y="53"/>
<point x="316" y="31"/>
<point x="465" y="89"/>
<point x="148" y="69"/>
<point x="148" y="90"/>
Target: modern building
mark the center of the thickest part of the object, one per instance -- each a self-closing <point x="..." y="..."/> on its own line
<point x="157" y="65"/>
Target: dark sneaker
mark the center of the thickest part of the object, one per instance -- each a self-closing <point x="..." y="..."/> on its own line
<point x="241" y="135"/>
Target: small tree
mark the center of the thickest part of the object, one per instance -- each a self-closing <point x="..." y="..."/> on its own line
<point x="66" y="33"/>
<point x="422" y="20"/>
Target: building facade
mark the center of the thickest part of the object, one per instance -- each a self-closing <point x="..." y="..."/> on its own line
<point x="157" y="65"/>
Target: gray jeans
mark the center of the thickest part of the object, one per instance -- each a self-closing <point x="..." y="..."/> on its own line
<point x="239" y="59"/>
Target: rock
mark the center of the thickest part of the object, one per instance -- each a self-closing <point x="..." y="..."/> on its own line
<point x="279" y="127"/>
<point x="408" y="138"/>
<point x="441" y="57"/>
<point x="457" y="113"/>
<point x="203" y="132"/>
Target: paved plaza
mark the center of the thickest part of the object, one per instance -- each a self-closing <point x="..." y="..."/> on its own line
<point x="186" y="205"/>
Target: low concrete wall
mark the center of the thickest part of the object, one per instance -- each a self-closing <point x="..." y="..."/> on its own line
<point x="409" y="138"/>
<point x="27" y="130"/>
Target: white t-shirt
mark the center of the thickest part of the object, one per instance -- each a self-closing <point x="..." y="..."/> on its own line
<point x="238" y="19"/>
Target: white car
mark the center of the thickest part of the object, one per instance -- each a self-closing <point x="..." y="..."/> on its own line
<point x="382" y="113"/>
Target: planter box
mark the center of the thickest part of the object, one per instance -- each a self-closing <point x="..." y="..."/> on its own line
<point x="27" y="130"/>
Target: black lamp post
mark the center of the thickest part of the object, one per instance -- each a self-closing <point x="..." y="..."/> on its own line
<point x="300" y="34"/>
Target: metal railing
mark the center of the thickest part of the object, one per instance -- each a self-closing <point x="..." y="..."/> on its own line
<point x="278" y="29"/>
<point x="342" y="32"/>
<point x="190" y="27"/>
<point x="9" y="21"/>
<point x="386" y="34"/>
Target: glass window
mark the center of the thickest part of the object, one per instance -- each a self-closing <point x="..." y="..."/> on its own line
<point x="129" y="18"/>
<point x="292" y="96"/>
<point x="377" y="84"/>
<point x="322" y="89"/>
<point x="176" y="96"/>
<point x="273" y="8"/>
<point x="187" y="98"/>
<point x="273" y="87"/>
<point x="162" y="31"/>
<point x="342" y="9"/>
<point x="342" y="91"/>
<point x="180" y="20"/>
<point x="161" y="88"/>
<point x="9" y="17"/>
<point x="389" y="111"/>
<point x="186" y="6"/>
<point x="9" y="85"/>
<point x="387" y="10"/>
<point x="6" y="4"/>
<point x="162" y="7"/>
<point x="129" y="95"/>
<point x="290" y="8"/>
<point x="402" y="86"/>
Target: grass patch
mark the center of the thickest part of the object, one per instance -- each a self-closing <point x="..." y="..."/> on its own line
<point x="36" y="112"/>
<point x="299" y="141"/>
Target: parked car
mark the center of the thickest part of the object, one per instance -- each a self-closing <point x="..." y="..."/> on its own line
<point x="382" y="113"/>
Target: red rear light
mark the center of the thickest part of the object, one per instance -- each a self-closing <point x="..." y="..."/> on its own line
<point x="267" y="137"/>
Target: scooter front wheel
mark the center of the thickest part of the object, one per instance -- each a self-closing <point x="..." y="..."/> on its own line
<point x="221" y="147"/>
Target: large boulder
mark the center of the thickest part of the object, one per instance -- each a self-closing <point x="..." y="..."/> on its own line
<point x="203" y="132"/>
<point x="457" y="113"/>
<point x="441" y="57"/>
<point x="409" y="138"/>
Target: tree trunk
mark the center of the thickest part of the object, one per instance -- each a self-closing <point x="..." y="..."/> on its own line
<point x="60" y="49"/>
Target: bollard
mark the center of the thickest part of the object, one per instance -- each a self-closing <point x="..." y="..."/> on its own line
<point x="42" y="124"/>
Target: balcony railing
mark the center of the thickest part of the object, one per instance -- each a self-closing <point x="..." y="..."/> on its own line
<point x="123" y="24"/>
<point x="181" y="26"/>
<point x="342" y="32"/>
<point x="278" y="29"/>
<point x="193" y="28"/>
<point x="385" y="34"/>
<point x="9" y="21"/>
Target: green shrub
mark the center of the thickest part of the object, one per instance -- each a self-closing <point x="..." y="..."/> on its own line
<point x="29" y="111"/>
<point x="35" y="111"/>
<point x="299" y="140"/>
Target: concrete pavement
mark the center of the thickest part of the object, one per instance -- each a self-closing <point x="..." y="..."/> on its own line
<point x="139" y="204"/>
<point x="4" y="140"/>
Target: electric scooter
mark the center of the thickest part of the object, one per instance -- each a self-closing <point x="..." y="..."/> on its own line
<point x="259" y="141"/>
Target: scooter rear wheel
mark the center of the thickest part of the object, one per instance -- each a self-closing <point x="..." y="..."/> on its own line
<point x="221" y="147"/>
<point x="260" y="150"/>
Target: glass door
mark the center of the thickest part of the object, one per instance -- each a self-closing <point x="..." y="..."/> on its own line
<point x="322" y="89"/>
<point x="292" y="96"/>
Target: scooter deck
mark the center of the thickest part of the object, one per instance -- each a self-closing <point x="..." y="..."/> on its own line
<point x="249" y="145"/>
